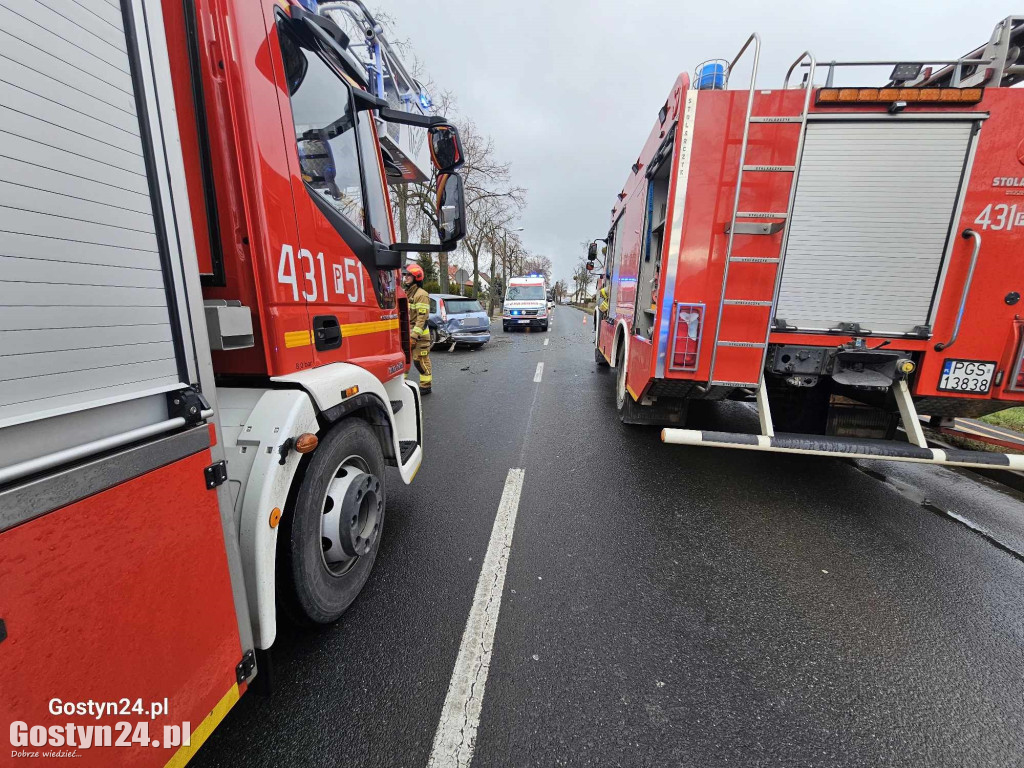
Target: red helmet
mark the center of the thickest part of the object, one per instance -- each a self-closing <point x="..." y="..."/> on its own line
<point x="416" y="271"/>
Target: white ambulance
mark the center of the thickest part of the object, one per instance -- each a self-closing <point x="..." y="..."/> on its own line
<point x="526" y="303"/>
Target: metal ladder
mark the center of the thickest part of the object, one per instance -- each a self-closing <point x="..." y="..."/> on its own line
<point x="755" y="220"/>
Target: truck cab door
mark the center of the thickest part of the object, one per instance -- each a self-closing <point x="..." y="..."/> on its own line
<point x="341" y="208"/>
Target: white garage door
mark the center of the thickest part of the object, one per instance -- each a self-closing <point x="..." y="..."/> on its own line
<point x="873" y="209"/>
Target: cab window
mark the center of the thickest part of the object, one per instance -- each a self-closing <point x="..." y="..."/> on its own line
<point x="376" y="202"/>
<point x="433" y="307"/>
<point x="324" y="130"/>
<point x="336" y="146"/>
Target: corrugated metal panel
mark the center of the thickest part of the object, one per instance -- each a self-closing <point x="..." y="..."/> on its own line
<point x="84" y="318"/>
<point x="873" y="208"/>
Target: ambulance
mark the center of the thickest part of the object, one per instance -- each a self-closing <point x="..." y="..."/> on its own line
<point x="526" y="303"/>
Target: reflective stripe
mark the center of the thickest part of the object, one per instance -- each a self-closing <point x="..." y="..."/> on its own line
<point x="418" y="331"/>
<point x="204" y="729"/>
<point x="374" y="326"/>
<point x="297" y="339"/>
<point x="426" y="379"/>
<point x="421" y="307"/>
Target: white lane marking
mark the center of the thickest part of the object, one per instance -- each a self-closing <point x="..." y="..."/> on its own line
<point x="460" y="716"/>
<point x="546" y="342"/>
<point x="539" y="373"/>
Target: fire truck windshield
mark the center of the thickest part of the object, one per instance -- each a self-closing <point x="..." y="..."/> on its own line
<point x="329" y="140"/>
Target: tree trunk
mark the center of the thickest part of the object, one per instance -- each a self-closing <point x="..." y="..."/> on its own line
<point x="442" y="267"/>
<point x="490" y="292"/>
<point x="475" y="255"/>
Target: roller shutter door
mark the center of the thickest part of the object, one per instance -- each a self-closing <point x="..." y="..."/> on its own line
<point x="84" y="313"/>
<point x="872" y="215"/>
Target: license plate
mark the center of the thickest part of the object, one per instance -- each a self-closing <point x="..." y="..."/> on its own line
<point x="974" y="376"/>
<point x="522" y="321"/>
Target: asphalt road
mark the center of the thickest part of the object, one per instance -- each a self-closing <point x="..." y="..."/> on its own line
<point x="663" y="605"/>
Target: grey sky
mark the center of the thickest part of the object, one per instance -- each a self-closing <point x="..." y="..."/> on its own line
<point x="570" y="89"/>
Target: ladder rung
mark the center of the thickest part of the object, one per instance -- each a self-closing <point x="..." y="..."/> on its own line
<point x="770" y="168"/>
<point x="742" y="344"/>
<point x="760" y="215"/>
<point x="747" y="303"/>
<point x="753" y="384"/>
<point x="771" y="119"/>
<point x="753" y="260"/>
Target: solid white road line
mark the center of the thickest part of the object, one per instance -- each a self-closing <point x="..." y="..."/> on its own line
<point x="539" y="373"/>
<point x="546" y="342"/>
<point x="460" y="716"/>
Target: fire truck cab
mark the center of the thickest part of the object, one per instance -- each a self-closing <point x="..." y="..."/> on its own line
<point x="203" y="343"/>
<point x="848" y="258"/>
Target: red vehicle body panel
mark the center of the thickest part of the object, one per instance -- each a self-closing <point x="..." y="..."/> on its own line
<point x="269" y="215"/>
<point x="80" y="627"/>
<point x="990" y="331"/>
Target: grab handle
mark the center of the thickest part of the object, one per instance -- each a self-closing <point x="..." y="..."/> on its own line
<point x="967" y="234"/>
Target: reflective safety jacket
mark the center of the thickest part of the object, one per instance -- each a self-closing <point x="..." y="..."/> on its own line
<point x="419" y="310"/>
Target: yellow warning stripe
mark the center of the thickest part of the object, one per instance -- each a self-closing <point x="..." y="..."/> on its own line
<point x="305" y="338"/>
<point x="631" y="392"/>
<point x="377" y="326"/>
<point x="202" y="733"/>
<point x="298" y="339"/>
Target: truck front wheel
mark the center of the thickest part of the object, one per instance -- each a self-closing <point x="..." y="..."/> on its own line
<point x="330" y="540"/>
<point x="628" y="408"/>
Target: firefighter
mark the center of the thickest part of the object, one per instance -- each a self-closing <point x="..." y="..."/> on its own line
<point x="603" y="297"/>
<point x="419" y="333"/>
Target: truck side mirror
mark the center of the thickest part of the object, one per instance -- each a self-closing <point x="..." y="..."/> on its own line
<point x="451" y="209"/>
<point x="385" y="258"/>
<point x="592" y="251"/>
<point x="446" y="148"/>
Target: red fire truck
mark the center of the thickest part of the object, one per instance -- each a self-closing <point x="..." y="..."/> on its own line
<point x="203" y="344"/>
<point x="845" y="257"/>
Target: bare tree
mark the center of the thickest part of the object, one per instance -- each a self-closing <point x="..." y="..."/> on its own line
<point x="582" y="278"/>
<point x="540" y="264"/>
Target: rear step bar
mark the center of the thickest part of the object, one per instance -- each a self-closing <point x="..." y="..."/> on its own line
<point x="850" y="447"/>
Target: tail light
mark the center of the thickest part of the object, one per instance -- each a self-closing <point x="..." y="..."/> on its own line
<point x="403" y="327"/>
<point x="444" y="312"/>
<point x="687" y="325"/>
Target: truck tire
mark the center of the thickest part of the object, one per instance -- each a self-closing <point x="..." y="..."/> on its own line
<point x="628" y="408"/>
<point x="330" y="537"/>
<point x="599" y="358"/>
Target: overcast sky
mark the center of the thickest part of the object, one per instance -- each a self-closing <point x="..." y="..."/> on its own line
<point x="569" y="89"/>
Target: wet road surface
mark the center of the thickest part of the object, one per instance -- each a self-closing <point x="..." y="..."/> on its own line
<point x="661" y="605"/>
